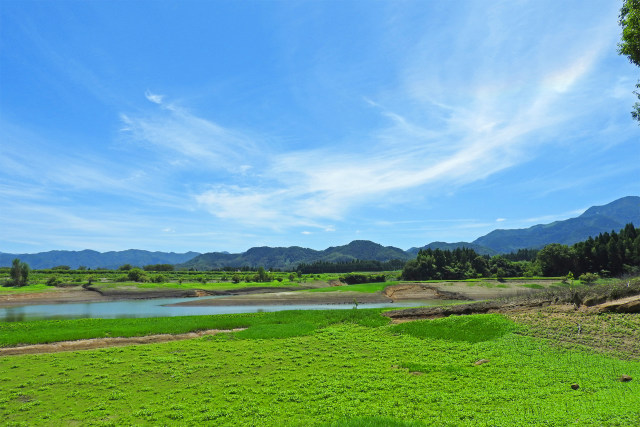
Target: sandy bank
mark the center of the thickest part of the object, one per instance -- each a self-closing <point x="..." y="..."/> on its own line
<point x="292" y="298"/>
<point x="78" y="294"/>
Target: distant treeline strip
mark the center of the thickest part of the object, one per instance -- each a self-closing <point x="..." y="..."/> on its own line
<point x="320" y="267"/>
<point x="609" y="255"/>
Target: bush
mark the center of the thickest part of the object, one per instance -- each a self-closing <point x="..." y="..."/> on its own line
<point x="136" y="275"/>
<point x="588" y="278"/>
<point x="159" y="279"/>
<point x="356" y="279"/>
<point x="54" y="281"/>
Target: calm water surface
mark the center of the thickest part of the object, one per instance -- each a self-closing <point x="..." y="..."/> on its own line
<point x="158" y="308"/>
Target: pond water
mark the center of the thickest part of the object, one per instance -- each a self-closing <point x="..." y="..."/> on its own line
<point x="158" y="308"/>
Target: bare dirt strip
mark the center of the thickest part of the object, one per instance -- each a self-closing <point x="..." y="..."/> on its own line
<point x="94" y="343"/>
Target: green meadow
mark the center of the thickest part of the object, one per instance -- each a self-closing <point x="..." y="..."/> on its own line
<point x="330" y="368"/>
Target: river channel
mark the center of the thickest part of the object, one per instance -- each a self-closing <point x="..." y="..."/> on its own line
<point x="160" y="307"/>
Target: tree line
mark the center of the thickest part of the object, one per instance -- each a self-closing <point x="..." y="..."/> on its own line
<point x="608" y="254"/>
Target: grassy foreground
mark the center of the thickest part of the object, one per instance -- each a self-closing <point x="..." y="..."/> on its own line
<point x="322" y="368"/>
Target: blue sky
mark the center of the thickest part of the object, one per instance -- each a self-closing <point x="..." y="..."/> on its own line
<point x="224" y="125"/>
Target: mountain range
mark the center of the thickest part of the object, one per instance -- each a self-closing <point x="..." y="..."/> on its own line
<point x="595" y="220"/>
<point x="94" y="259"/>
<point x="289" y="258"/>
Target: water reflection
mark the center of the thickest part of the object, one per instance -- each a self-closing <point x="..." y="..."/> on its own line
<point x="155" y="308"/>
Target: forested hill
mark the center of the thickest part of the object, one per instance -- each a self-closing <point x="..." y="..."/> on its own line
<point x="94" y="259"/>
<point x="595" y="220"/>
<point x="289" y="258"/>
<point x="480" y="250"/>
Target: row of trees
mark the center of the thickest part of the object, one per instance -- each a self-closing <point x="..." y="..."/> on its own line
<point x="463" y="263"/>
<point x="609" y="254"/>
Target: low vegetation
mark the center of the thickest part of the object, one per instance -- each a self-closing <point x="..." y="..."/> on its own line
<point x="326" y="368"/>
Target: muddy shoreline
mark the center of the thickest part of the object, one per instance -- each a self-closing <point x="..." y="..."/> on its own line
<point x="79" y="294"/>
<point x="290" y="298"/>
<point x="405" y="291"/>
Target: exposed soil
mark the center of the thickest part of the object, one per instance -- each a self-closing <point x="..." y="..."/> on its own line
<point x="257" y="295"/>
<point x="55" y="296"/>
<point x="421" y="291"/>
<point x="629" y="304"/>
<point x="79" y="294"/>
<point x="624" y="305"/>
<point x="284" y="298"/>
<point x="106" y="342"/>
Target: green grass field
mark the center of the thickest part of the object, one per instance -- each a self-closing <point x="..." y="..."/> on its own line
<point x="321" y="368"/>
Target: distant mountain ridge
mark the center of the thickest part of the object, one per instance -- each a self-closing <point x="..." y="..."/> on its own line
<point x="94" y="259"/>
<point x="595" y="220"/>
<point x="290" y="257"/>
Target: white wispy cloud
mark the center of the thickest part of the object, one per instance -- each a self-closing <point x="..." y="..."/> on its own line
<point x="460" y="126"/>
<point x="322" y="184"/>
<point x="155" y="98"/>
<point x="189" y="140"/>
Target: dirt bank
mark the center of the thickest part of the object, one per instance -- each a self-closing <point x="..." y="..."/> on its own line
<point x="107" y="342"/>
<point x="55" y="296"/>
<point x="421" y="291"/>
<point x="284" y="298"/>
<point x="591" y="300"/>
<point x="79" y="294"/>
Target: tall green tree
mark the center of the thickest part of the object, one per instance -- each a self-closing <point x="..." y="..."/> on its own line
<point x="19" y="272"/>
<point x="629" y="46"/>
<point x="556" y="260"/>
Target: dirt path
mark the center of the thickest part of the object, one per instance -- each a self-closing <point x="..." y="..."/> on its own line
<point x="94" y="343"/>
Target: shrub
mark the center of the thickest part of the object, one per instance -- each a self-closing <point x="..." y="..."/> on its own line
<point x="54" y="281"/>
<point x="356" y="279"/>
<point x="136" y="275"/>
<point x="588" y="278"/>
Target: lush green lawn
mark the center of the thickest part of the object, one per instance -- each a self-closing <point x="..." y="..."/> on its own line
<point x="325" y="369"/>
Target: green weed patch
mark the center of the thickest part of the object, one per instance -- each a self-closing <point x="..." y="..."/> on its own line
<point x="476" y="328"/>
<point x="341" y="374"/>
<point x="260" y="325"/>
